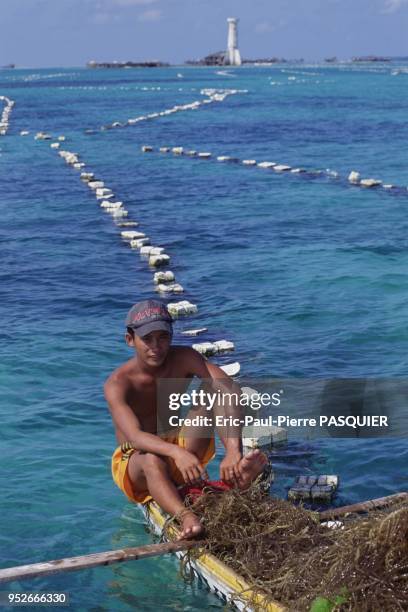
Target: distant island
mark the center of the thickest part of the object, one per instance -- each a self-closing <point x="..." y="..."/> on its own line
<point x="147" y="64"/>
<point x="219" y="59"/>
<point x="370" y="58"/>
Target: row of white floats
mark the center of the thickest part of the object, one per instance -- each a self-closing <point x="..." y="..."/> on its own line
<point x="5" y="115"/>
<point x="354" y="177"/>
<point x="165" y="281"/>
<point x="212" y="95"/>
<point x="45" y="136"/>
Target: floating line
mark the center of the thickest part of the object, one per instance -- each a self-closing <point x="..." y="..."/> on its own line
<point x="353" y="179"/>
<point x="212" y="95"/>
<point x="5" y="115"/>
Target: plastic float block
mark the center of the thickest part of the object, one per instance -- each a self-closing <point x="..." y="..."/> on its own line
<point x="194" y="332"/>
<point x="163" y="277"/>
<point x="183" y="308"/>
<point x="314" y="488"/>
<point x="158" y="260"/>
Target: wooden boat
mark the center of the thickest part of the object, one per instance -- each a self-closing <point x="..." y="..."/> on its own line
<point x="216" y="575"/>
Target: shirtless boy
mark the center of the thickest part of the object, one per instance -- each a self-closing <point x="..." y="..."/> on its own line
<point x="147" y="465"/>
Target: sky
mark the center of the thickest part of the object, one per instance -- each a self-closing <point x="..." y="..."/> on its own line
<point x="47" y="33"/>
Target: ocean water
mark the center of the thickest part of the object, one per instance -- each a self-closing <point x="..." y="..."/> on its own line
<point x="307" y="275"/>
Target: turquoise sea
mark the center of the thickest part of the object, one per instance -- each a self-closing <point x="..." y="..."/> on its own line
<point x="306" y="274"/>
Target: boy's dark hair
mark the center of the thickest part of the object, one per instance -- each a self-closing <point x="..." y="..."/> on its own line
<point x="130" y="331"/>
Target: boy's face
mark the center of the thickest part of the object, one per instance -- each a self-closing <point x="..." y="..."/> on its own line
<point x="152" y="349"/>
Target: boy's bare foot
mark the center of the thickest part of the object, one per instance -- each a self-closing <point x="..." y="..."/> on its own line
<point x="250" y="467"/>
<point x="191" y="526"/>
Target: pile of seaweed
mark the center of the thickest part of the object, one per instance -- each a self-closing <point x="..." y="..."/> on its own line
<point x="284" y="552"/>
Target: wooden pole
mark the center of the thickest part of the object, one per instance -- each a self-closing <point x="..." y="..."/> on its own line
<point x="109" y="557"/>
<point x="374" y="504"/>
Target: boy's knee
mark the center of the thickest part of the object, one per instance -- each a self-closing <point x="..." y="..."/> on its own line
<point x="197" y="446"/>
<point x="153" y="462"/>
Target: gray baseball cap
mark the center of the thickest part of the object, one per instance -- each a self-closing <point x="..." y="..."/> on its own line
<point x="147" y="316"/>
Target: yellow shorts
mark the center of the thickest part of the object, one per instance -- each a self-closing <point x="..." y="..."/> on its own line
<point x="120" y="462"/>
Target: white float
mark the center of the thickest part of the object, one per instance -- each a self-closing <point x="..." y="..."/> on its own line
<point x="224" y="346"/>
<point x="87" y="176"/>
<point x="205" y="348"/>
<point x="177" y="150"/>
<point x="163" y="277"/>
<point x="24" y="133"/>
<point x="232" y="369"/>
<point x="42" y="136"/>
<point x="191" y="153"/>
<point x="164" y="149"/>
<point x="110" y="206"/>
<point x="249" y="162"/>
<point x="180" y="309"/>
<point x="147" y="148"/>
<point x="263" y="436"/>
<point x="194" y="332"/>
<point x="146" y="251"/>
<point x="214" y="348"/>
<point x="281" y="168"/>
<point x="139" y="243"/>
<point x="171" y="288"/>
<point x="266" y="164"/>
<point x="96" y="184"/>
<point x="254" y="436"/>
<point x="132" y="235"/>
<point x="298" y="170"/>
<point x="354" y="177"/>
<point x="102" y="191"/>
<point x="159" y="260"/>
<point x="106" y="196"/>
<point x="55" y="145"/>
<point x="370" y="182"/>
<point x="204" y="155"/>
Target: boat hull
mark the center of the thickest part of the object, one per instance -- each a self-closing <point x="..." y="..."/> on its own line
<point x="218" y="577"/>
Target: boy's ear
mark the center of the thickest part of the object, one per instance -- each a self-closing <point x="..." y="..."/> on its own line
<point x="129" y="339"/>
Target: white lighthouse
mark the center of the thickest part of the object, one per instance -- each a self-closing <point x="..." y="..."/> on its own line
<point x="233" y="56"/>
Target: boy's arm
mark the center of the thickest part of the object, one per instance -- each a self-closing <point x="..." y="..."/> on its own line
<point x="200" y="367"/>
<point x="127" y="422"/>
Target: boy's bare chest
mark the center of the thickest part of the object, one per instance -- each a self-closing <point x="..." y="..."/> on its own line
<point x="148" y="397"/>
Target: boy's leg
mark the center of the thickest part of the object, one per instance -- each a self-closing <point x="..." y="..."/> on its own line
<point x="148" y="471"/>
<point x="198" y="439"/>
<point x="251" y="465"/>
<point x="197" y="446"/>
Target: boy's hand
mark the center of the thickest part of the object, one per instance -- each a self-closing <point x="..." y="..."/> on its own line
<point x="187" y="463"/>
<point x="229" y="468"/>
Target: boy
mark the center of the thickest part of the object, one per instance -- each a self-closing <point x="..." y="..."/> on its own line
<point x="147" y="465"/>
